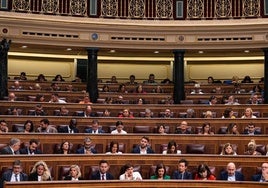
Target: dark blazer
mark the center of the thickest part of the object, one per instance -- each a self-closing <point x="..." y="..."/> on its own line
<point x="255" y="132"/>
<point x="70" y="178"/>
<point x="238" y="176"/>
<point x="82" y="150"/>
<point x="65" y="129"/>
<point x="34" y="177"/>
<point x="89" y="130"/>
<point x="97" y="176"/>
<point x="137" y="150"/>
<point x="26" y="151"/>
<point x="7" y="177"/>
<point x="186" y="175"/>
<point x="256" y="177"/>
<point x="7" y="151"/>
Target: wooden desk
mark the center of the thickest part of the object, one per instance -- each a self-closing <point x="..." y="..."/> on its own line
<point x="143" y="184"/>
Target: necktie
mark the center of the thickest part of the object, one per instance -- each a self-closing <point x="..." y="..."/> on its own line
<point x="16" y="177"/>
<point x="102" y="177"/>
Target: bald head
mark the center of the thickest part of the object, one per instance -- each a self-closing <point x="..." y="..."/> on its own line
<point x="231" y="169"/>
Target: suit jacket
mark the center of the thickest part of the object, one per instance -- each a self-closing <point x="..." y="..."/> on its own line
<point x="7" y="151"/>
<point x="97" y="176"/>
<point x="70" y="178"/>
<point x="7" y="177"/>
<point x="89" y="130"/>
<point x="26" y="151"/>
<point x="82" y="150"/>
<point x="186" y="175"/>
<point x="256" y="177"/>
<point x="238" y="176"/>
<point x="65" y="129"/>
<point x="255" y="132"/>
<point x="137" y="150"/>
<point x="34" y="177"/>
<point x="50" y="129"/>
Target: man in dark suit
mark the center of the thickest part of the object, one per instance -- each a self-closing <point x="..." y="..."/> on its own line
<point x="263" y="177"/>
<point x="230" y="174"/>
<point x="12" y="148"/>
<point x="143" y="147"/>
<point x="88" y="147"/>
<point x="14" y="174"/>
<point x="251" y="129"/>
<point x="32" y="149"/>
<point x="71" y="128"/>
<point x="181" y="173"/>
<point x="102" y="173"/>
<point x="94" y="129"/>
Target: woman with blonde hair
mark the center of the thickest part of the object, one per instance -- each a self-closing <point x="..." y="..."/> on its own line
<point x="40" y="172"/>
<point x="251" y="148"/>
<point x="74" y="174"/>
<point x="248" y="113"/>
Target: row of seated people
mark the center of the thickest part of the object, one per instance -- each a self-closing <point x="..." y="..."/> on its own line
<point x="82" y="97"/>
<point x="34" y="146"/>
<point x="128" y="98"/>
<point x="87" y="111"/>
<point x="118" y="127"/>
<point x="122" y="88"/>
<point x="41" y="171"/>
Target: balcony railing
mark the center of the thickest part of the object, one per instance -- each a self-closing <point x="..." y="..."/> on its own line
<point x="143" y="9"/>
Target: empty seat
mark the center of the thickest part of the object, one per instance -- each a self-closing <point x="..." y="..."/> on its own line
<point x="102" y="101"/>
<point x="64" y="171"/>
<point x="261" y="148"/>
<point x="17" y="127"/>
<point x="142" y="129"/>
<point x="31" y="112"/>
<point x="223" y="130"/>
<point x="79" y="113"/>
<point x="195" y="149"/>
<point x="187" y="102"/>
<point x="99" y="114"/>
<point x="31" y="98"/>
<point x="256" y="113"/>
<point x="56" y="113"/>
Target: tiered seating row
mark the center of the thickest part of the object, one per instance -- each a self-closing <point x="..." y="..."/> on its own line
<point x="168" y="88"/>
<point x="149" y="125"/>
<point x="178" y="110"/>
<point x="88" y="163"/>
<point x="151" y="98"/>
<point x="212" y="144"/>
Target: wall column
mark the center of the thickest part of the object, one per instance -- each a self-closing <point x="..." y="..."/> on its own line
<point x="4" y="48"/>
<point x="178" y="76"/>
<point x="92" y="76"/>
<point x="265" y="95"/>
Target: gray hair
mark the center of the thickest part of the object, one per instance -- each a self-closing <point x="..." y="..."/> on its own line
<point x="14" y="141"/>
